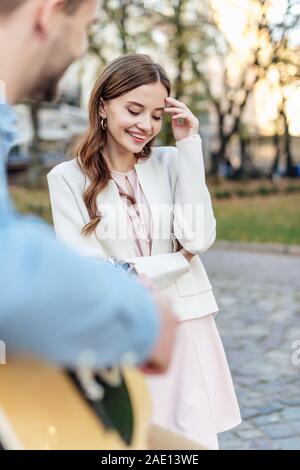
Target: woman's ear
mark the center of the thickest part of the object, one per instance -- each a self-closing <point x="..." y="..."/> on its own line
<point x="103" y="109"/>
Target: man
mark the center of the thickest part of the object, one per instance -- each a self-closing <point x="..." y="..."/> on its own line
<point x="53" y="303"/>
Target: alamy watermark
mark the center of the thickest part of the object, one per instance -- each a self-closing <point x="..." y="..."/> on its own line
<point x="2" y="353"/>
<point x="296" y="353"/>
<point x="188" y="220"/>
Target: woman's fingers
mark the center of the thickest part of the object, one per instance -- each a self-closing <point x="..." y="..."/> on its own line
<point x="178" y="103"/>
<point x="183" y="120"/>
<point x="180" y="116"/>
<point x="192" y="121"/>
<point x="172" y="110"/>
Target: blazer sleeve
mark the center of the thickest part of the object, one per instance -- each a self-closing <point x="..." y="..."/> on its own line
<point x="162" y="269"/>
<point x="194" y="221"/>
<point x="68" y="218"/>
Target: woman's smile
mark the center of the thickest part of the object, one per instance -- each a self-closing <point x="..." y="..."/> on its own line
<point x="136" y="137"/>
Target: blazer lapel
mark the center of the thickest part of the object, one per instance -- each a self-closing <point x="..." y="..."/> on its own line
<point x="155" y="192"/>
<point x="112" y="230"/>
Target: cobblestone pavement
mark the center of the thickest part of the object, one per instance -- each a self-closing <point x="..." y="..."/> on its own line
<point x="259" y="319"/>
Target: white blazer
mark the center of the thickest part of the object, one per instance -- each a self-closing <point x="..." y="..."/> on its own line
<point x="173" y="181"/>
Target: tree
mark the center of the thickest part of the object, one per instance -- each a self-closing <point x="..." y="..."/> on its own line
<point x="267" y="45"/>
<point x="182" y="34"/>
<point x="286" y="62"/>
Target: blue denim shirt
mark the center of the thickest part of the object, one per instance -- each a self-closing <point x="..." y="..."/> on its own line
<point x="56" y="304"/>
<point x="8" y="136"/>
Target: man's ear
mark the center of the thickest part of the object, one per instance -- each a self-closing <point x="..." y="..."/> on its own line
<point x="46" y="10"/>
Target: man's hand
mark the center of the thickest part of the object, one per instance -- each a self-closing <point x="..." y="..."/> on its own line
<point x="162" y="353"/>
<point x="147" y="283"/>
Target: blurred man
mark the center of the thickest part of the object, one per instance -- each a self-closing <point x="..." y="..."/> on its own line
<point x="54" y="303"/>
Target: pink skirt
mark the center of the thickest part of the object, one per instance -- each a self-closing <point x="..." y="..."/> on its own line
<point x="196" y="397"/>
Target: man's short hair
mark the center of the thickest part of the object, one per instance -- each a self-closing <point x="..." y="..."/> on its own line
<point x="8" y="6"/>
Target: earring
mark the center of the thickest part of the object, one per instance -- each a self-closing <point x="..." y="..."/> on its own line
<point x="104" y="123"/>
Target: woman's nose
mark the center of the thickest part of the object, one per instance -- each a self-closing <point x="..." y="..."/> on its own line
<point x="145" y="125"/>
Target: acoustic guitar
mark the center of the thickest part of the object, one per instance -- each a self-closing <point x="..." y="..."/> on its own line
<point x="43" y="407"/>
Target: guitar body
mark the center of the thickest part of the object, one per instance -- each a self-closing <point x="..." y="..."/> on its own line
<point x="42" y="409"/>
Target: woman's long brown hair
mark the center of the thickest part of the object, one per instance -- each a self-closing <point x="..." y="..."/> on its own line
<point x="121" y="76"/>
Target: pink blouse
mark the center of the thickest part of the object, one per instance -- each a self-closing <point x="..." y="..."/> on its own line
<point x="139" y="214"/>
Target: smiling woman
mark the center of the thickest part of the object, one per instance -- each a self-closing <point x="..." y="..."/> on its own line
<point x="127" y="75"/>
<point x="122" y="197"/>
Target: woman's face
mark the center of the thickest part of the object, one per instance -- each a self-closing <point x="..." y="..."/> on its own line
<point x="135" y="118"/>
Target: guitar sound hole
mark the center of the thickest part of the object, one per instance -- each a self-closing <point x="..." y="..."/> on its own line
<point x="114" y="409"/>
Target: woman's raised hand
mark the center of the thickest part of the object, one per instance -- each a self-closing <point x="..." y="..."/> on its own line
<point x="184" y="123"/>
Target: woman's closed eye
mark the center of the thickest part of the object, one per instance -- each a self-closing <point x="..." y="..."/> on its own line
<point x="156" y="118"/>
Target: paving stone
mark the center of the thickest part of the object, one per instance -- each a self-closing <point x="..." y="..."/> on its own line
<point x="278" y="430"/>
<point x="263" y="444"/>
<point x="266" y="419"/>
<point x="266" y="410"/>
<point x="250" y="434"/>
<point x="288" y="444"/>
<point x="259" y="319"/>
<point x="292" y="413"/>
<point x="296" y="426"/>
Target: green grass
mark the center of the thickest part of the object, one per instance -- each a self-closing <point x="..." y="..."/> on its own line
<point x="271" y="219"/>
<point x="34" y="201"/>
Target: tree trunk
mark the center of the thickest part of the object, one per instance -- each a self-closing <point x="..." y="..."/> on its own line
<point x="275" y="164"/>
<point x="220" y="155"/>
<point x="35" y="165"/>
<point x="245" y="156"/>
<point x="287" y="148"/>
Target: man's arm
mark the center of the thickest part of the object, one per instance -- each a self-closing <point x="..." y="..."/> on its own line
<point x="57" y="305"/>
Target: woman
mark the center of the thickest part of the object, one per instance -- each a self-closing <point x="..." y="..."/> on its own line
<point x="150" y="206"/>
